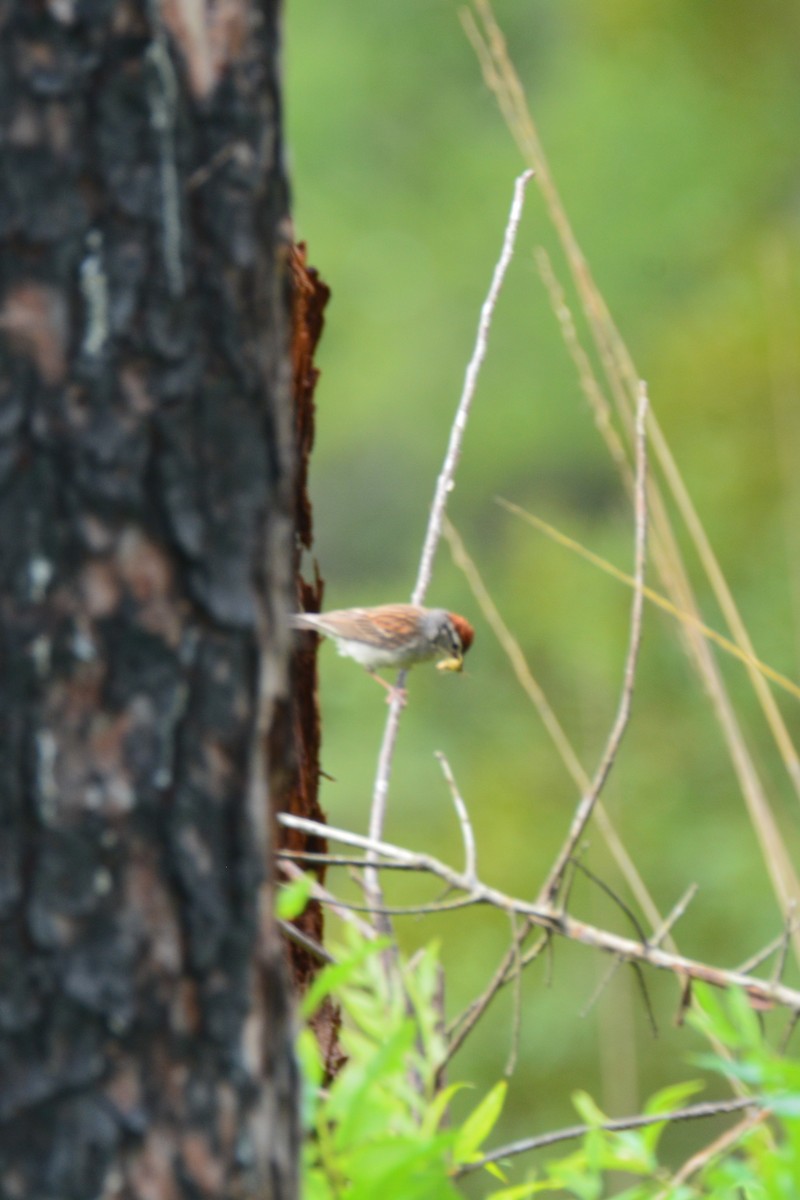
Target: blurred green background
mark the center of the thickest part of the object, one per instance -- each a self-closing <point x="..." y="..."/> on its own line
<point x="672" y="131"/>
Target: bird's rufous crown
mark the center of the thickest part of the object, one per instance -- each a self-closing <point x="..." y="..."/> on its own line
<point x="464" y="630"/>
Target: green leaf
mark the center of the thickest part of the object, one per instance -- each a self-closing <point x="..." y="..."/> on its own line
<point x="334" y="977"/>
<point x="674" y="1096"/>
<point x="293" y="897"/>
<point x="587" y="1109"/>
<point x="372" y="1095"/>
<point x="438" y="1106"/>
<point x="401" y="1169"/>
<point x="518" y="1192"/>
<point x="626" y="1150"/>
<point x="479" y="1124"/>
<point x="665" y="1100"/>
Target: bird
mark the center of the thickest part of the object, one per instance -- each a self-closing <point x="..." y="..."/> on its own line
<point x="393" y="635"/>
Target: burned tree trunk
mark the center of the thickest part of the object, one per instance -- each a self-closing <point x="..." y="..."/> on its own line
<point x="146" y="517"/>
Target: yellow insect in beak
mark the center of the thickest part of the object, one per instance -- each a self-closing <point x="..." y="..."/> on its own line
<point x="450" y="664"/>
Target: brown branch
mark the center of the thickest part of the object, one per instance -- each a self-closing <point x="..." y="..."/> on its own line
<point x="658" y="937"/>
<point x="462" y="1026"/>
<point x="764" y="992"/>
<point x="719" y="1146"/>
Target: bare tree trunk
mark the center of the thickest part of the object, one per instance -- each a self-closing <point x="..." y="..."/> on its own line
<point x="146" y="556"/>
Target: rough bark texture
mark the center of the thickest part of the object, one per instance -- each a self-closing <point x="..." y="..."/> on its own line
<point x="300" y="792"/>
<point x="146" y="515"/>
<point x="310" y="295"/>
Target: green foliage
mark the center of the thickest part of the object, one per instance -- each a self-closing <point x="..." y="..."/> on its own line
<point x="293" y="897"/>
<point x="381" y="1127"/>
<point x="384" y="1126"/>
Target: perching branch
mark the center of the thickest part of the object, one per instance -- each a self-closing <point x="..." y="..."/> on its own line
<point x="444" y="485"/>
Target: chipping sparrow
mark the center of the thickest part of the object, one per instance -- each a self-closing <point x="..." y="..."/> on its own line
<point x="393" y="635"/>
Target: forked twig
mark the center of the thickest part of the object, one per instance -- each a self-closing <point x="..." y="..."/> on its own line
<point x="766" y="993"/>
<point x="536" y="694"/>
<point x="444" y="485"/>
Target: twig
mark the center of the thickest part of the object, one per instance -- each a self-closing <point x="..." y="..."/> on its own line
<point x="692" y="1112"/>
<point x="584" y="809"/>
<point x="761" y="955"/>
<point x="545" y="916"/>
<point x="461" y="1026"/>
<point x="516" y="1011"/>
<point x="536" y="694"/>
<point x="783" y="1045"/>
<point x="429" y="909"/>
<point x="337" y="860"/>
<point x="673" y="917"/>
<point x="658" y="937"/>
<point x="699" y="1160"/>
<point x="466" y="1021"/>
<point x="297" y="936"/>
<point x="444" y="485"/>
<point x="322" y="894"/>
<point x="624" y="908"/>
<point x="780" y="965"/>
<point x="467" y="833"/>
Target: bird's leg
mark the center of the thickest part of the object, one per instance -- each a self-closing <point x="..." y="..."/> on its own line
<point x="392" y="691"/>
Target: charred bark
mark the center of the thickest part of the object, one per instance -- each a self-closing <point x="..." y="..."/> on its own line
<point x="146" y="550"/>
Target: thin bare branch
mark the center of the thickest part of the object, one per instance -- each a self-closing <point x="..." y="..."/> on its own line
<point x="462" y="1025"/>
<point x="762" y="991"/>
<point x="692" y="1112"/>
<point x="297" y="936"/>
<point x="431" y="908"/>
<point x="783" y="1044"/>
<point x="445" y="482"/>
<point x="536" y="694"/>
<point x="780" y="965"/>
<point x="719" y="1146"/>
<point x="322" y="894"/>
<point x="664" y="930"/>
<point x="577" y="865"/>
<point x="516" y="1012"/>
<point x="338" y="860"/>
<point x="586" y="806"/>
<point x="467" y="832"/>
<point x="658" y="937"/>
<point x="444" y="485"/>
<point x="764" y="953"/>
